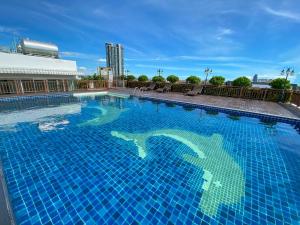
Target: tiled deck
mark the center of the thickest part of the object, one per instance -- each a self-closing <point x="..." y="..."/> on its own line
<point x="270" y="108"/>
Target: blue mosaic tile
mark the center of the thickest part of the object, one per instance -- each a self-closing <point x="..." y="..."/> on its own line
<point x="110" y="160"/>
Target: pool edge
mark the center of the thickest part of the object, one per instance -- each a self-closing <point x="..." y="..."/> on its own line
<point x="226" y="109"/>
<point x="7" y="216"/>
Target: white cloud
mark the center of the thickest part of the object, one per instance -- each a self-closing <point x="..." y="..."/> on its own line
<point x="169" y="67"/>
<point x="199" y="58"/>
<point x="78" y="55"/>
<point x="101" y="60"/>
<point x="222" y="32"/>
<point x="282" y="13"/>
<point x="10" y="30"/>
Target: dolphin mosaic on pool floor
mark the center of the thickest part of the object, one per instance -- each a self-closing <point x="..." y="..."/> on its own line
<point x="223" y="178"/>
<point x="105" y="115"/>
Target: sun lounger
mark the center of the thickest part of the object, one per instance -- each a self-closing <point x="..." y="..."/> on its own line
<point x="150" y="88"/>
<point x="166" y="88"/>
<point x="195" y="91"/>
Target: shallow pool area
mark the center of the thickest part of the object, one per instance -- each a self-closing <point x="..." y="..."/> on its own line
<point x="116" y="159"/>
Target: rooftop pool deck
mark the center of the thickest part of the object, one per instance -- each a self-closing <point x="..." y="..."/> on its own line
<point x="112" y="158"/>
<point x="239" y="104"/>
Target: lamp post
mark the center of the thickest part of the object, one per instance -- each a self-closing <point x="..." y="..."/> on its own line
<point x="127" y="72"/>
<point x="207" y="72"/>
<point x="288" y="72"/>
<point x="159" y="71"/>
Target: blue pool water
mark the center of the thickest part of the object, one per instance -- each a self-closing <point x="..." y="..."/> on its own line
<point x="108" y="159"/>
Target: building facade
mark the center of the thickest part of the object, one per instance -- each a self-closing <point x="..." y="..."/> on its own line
<point x="29" y="72"/>
<point x="115" y="59"/>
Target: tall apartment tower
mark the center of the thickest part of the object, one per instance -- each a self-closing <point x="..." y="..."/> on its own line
<point x="255" y="78"/>
<point x="115" y="59"/>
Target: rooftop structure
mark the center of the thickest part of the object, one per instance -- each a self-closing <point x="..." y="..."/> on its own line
<point x="35" y="61"/>
<point x="29" y="47"/>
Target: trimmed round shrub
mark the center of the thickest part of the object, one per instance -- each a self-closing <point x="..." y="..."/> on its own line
<point x="158" y="79"/>
<point x="173" y="79"/>
<point x="217" y="80"/>
<point x="143" y="78"/>
<point x="130" y="78"/>
<point x="193" y="80"/>
<point x="280" y="83"/>
<point x="242" y="82"/>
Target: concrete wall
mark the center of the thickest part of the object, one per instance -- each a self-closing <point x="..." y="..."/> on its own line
<point x="9" y="60"/>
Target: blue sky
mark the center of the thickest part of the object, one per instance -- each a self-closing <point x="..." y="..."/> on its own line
<point x="232" y="37"/>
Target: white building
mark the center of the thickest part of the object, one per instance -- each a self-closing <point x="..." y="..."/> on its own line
<point x="35" y="68"/>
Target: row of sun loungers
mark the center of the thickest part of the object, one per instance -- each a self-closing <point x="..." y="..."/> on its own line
<point x="167" y="88"/>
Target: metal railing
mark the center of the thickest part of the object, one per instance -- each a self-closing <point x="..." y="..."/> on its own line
<point x="295" y="99"/>
<point x="19" y="87"/>
<point x="265" y="94"/>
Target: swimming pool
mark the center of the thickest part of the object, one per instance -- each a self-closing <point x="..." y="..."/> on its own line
<point x="118" y="159"/>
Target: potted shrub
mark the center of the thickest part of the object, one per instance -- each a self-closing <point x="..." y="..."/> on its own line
<point x="242" y="82"/>
<point x="217" y="80"/>
<point x="172" y="79"/>
<point x="193" y="80"/>
<point x="158" y="79"/>
<point x="280" y="83"/>
<point x="130" y="78"/>
<point x="143" y="78"/>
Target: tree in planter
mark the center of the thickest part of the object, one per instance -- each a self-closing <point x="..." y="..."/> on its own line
<point x="172" y="79"/>
<point x="93" y="77"/>
<point x="193" y="80"/>
<point x="158" y="79"/>
<point x="242" y="82"/>
<point x="217" y="80"/>
<point x="130" y="78"/>
<point x="143" y="78"/>
<point x="280" y="83"/>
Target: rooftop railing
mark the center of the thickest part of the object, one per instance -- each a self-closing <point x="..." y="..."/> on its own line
<point x="296" y="98"/>
<point x="20" y="87"/>
<point x="264" y="94"/>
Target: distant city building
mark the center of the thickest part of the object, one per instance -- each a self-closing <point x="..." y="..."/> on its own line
<point x="228" y="83"/>
<point x="258" y="85"/>
<point x="255" y="77"/>
<point x="35" y="67"/>
<point x="115" y="59"/>
<point x="261" y="83"/>
<point x="105" y="72"/>
<point x="295" y="87"/>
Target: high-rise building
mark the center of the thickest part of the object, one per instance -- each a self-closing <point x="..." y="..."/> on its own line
<point x="255" y="78"/>
<point x="115" y="59"/>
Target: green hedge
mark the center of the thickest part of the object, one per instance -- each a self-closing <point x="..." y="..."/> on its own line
<point x="181" y="87"/>
<point x="134" y="84"/>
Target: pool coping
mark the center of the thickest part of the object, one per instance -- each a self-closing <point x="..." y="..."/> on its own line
<point x="7" y="216"/>
<point x="290" y="120"/>
<point x="240" y="112"/>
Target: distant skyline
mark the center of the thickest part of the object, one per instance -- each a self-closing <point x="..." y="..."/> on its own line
<point x="233" y="37"/>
